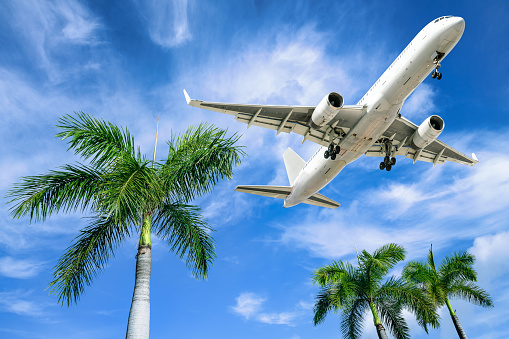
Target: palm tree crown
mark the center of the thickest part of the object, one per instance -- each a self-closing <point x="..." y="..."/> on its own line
<point x="454" y="278"/>
<point x="355" y="290"/>
<point x="127" y="195"/>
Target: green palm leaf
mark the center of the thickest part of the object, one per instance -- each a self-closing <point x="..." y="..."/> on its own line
<point x="73" y="188"/>
<point x="198" y="159"/>
<point x="187" y="233"/>
<point x="88" y="255"/>
<point x="94" y="139"/>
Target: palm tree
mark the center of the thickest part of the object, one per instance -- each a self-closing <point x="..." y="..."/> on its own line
<point x="355" y="290"/>
<point x="126" y="195"/>
<point x="454" y="278"/>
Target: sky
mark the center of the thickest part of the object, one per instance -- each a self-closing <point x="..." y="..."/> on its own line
<point x="128" y="61"/>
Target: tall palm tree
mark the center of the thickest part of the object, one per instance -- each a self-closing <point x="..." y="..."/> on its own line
<point x="127" y="195"/>
<point x="454" y="278"/>
<point x="355" y="290"/>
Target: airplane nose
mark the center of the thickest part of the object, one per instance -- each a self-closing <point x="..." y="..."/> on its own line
<point x="458" y="24"/>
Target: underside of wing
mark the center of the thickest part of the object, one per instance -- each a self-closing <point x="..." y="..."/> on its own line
<point x="437" y="152"/>
<point x="287" y="119"/>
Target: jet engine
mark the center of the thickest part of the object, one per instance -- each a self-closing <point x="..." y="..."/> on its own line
<point x="326" y="110"/>
<point x="427" y="132"/>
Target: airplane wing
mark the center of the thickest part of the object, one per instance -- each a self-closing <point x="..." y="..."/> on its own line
<point x="437" y="152"/>
<point x="286" y="118"/>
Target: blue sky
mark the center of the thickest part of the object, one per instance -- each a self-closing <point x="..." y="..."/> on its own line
<point x="128" y="61"/>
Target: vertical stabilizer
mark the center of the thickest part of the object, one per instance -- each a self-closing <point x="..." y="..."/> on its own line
<point x="293" y="164"/>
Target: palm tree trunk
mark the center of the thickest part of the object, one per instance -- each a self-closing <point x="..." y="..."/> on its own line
<point x="456" y="321"/>
<point x="380" y="330"/>
<point x="138" y="325"/>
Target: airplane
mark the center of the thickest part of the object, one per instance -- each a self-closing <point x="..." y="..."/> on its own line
<point x="373" y="127"/>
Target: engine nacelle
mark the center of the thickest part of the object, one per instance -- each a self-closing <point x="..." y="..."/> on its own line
<point x="427" y="132"/>
<point x="326" y="110"/>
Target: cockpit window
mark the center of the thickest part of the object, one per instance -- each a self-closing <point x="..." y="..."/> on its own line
<point x="443" y="17"/>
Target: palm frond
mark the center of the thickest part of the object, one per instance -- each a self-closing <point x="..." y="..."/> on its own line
<point x="74" y="187"/>
<point x="130" y="189"/>
<point x="410" y="296"/>
<point x="386" y="256"/>
<point x="472" y="293"/>
<point x="95" y="139"/>
<point x="352" y="322"/>
<point x="431" y="259"/>
<point x="198" y="159"/>
<point x="323" y="305"/>
<point x="336" y="272"/>
<point x="391" y="315"/>
<point x="186" y="231"/>
<point x="458" y="266"/>
<point x="88" y="255"/>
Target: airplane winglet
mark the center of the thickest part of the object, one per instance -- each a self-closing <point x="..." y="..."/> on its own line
<point x="474" y="157"/>
<point x="188" y="98"/>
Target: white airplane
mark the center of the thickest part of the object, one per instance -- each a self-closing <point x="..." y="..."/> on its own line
<point x="373" y="127"/>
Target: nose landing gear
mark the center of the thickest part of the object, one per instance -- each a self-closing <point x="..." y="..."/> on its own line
<point x="436" y="74"/>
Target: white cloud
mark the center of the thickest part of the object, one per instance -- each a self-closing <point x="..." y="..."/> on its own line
<point x="21" y="269"/>
<point x="420" y="104"/>
<point x="250" y="306"/>
<point x="46" y="25"/>
<point x="17" y="302"/>
<point x="492" y="255"/>
<point x="167" y="21"/>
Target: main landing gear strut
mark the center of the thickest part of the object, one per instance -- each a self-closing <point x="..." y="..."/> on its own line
<point x="388" y="161"/>
<point x="332" y="151"/>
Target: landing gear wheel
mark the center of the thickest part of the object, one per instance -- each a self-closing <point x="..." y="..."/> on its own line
<point x="439" y="76"/>
<point x="333" y="156"/>
<point x="434" y="74"/>
<point x="326" y="155"/>
<point x="331" y="148"/>
<point x="393" y="161"/>
<point x="382" y="165"/>
<point x="387" y="160"/>
<point x="388" y="167"/>
<point x="337" y="149"/>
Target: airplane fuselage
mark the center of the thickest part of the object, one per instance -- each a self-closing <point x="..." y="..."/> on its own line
<point x="383" y="102"/>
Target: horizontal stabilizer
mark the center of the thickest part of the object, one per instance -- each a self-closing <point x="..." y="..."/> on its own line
<point x="281" y="192"/>
<point x="321" y="200"/>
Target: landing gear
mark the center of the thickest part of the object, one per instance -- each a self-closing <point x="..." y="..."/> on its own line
<point x="436" y="74"/>
<point x="332" y="151"/>
<point x="388" y="161"/>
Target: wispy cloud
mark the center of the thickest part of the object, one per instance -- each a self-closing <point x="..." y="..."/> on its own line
<point x="420" y="104"/>
<point x="167" y="21"/>
<point x="21" y="269"/>
<point x="45" y="26"/>
<point x="250" y="307"/>
<point x="19" y="302"/>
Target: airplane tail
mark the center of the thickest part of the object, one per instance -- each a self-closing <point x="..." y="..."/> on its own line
<point x="293" y="164"/>
<point x="281" y="192"/>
